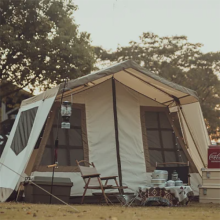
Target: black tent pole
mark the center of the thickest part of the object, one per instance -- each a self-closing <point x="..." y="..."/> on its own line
<point x="116" y="132"/>
<point x="56" y="142"/>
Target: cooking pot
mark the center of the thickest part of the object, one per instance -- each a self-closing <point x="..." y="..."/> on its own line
<point x="178" y="183"/>
<point x="170" y="183"/>
<point x="160" y="174"/>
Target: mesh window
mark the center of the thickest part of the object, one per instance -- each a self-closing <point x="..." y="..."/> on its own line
<point x="151" y="119"/>
<point x="23" y="130"/>
<point x="76" y="154"/>
<point x="70" y="147"/>
<point x="164" y="122"/>
<point x="161" y="140"/>
<point x="168" y="139"/>
<point x="155" y="156"/>
<point x="153" y="139"/>
<point x="47" y="157"/>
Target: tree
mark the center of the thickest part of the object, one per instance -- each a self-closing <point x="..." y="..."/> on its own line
<point x="179" y="61"/>
<point x="40" y="44"/>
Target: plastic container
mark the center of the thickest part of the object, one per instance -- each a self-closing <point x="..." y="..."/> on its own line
<point x="61" y="189"/>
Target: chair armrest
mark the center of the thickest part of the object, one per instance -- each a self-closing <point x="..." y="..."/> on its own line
<point x="108" y="177"/>
<point x="91" y="175"/>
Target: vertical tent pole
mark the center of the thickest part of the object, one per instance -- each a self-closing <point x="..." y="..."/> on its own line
<point x="116" y="131"/>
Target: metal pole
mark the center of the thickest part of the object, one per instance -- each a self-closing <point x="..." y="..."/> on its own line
<point x="116" y="131"/>
<point x="56" y="142"/>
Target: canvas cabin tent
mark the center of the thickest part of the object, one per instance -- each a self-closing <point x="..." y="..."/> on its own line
<point x="124" y="119"/>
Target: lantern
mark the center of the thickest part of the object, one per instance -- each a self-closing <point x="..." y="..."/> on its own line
<point x="66" y="111"/>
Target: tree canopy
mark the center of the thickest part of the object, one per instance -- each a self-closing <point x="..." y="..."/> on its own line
<point x="40" y="44"/>
<point x="179" y="61"/>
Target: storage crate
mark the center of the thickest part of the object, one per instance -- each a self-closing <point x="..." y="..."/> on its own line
<point x="209" y="194"/>
<point x="61" y="189"/>
<point x="211" y="177"/>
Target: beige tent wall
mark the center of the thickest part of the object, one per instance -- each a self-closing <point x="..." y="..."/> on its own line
<point x="101" y="135"/>
<point x="130" y="136"/>
<point x="131" y="144"/>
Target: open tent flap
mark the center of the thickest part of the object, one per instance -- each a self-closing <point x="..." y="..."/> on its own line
<point x="17" y="158"/>
<point x="196" y="133"/>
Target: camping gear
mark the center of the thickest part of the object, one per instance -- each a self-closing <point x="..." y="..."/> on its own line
<point x="181" y="168"/>
<point x="174" y="175"/>
<point x="158" y="182"/>
<point x="209" y="192"/>
<point x="210" y="177"/>
<point x="160" y="174"/>
<point x="171" y="196"/>
<point x="178" y="182"/>
<point x="124" y="118"/>
<point x="214" y="156"/>
<point x="93" y="180"/>
<point x="66" y="111"/>
<point x="61" y="189"/>
<point x="170" y="183"/>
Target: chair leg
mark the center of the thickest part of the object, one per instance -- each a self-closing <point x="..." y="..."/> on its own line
<point x="84" y="195"/>
<point x="86" y="186"/>
<point x="103" y="192"/>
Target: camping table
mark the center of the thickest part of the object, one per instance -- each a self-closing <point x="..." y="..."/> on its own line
<point x="175" y="195"/>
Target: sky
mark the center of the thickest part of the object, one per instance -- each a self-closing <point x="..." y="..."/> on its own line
<point x="117" y="22"/>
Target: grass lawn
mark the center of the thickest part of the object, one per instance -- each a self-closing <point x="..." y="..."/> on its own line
<point x="25" y="211"/>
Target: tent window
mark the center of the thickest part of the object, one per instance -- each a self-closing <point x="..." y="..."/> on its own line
<point x="72" y="144"/>
<point x="160" y="142"/>
<point x="23" y="130"/>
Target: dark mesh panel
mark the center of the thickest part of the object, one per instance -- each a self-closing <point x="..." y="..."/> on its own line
<point x="47" y="157"/>
<point x="176" y="123"/>
<point x="168" y="139"/>
<point x="164" y="122"/>
<point x="76" y="154"/>
<point x="70" y="145"/>
<point x="170" y="156"/>
<point x="62" y="157"/>
<point x="76" y="117"/>
<point x="75" y="137"/>
<point x="151" y="120"/>
<point x="162" y="132"/>
<point x="23" y="130"/>
<point x="153" y="139"/>
<point x="155" y="156"/>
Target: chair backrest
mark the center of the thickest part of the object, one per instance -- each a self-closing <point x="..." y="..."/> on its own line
<point x="88" y="170"/>
<point x="182" y="170"/>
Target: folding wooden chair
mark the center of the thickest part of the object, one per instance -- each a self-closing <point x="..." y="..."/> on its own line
<point x="93" y="180"/>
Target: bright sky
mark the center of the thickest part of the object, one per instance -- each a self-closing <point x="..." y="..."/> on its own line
<point x="116" y="22"/>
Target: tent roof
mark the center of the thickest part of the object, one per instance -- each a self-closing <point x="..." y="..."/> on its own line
<point x="123" y="66"/>
<point x="133" y="76"/>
